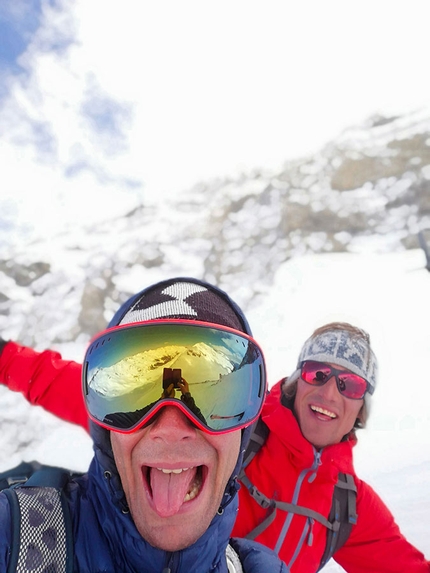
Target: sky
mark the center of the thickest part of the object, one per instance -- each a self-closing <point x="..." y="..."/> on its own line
<point x="105" y="105"/>
<point x="387" y="295"/>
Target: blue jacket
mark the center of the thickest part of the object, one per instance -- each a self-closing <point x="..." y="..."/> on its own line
<point x="106" y="539"/>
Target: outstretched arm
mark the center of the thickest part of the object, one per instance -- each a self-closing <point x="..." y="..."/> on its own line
<point x="376" y="543"/>
<point x="44" y="378"/>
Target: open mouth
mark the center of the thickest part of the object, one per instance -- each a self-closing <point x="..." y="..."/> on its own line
<point x="322" y="413"/>
<point x="170" y="489"/>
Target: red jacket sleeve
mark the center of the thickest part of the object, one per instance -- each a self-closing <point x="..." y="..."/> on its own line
<point x="44" y="378"/>
<point x="376" y="543"/>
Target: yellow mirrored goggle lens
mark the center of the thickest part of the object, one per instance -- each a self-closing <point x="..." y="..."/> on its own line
<point x="217" y="374"/>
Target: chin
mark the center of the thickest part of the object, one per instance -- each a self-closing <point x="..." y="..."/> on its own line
<point x="176" y="543"/>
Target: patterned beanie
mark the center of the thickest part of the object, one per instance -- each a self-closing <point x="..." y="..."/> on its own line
<point x="343" y="348"/>
<point x="185" y="298"/>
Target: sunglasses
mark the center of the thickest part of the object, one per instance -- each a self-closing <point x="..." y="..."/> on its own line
<point x="214" y="374"/>
<point x="349" y="384"/>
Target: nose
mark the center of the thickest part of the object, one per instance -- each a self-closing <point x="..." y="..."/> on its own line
<point x="172" y="425"/>
<point x="329" y="389"/>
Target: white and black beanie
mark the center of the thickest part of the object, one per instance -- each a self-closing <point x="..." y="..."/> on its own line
<point x="343" y="348"/>
<point x="185" y="298"/>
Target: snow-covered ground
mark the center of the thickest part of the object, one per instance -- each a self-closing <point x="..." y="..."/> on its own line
<point x="389" y="296"/>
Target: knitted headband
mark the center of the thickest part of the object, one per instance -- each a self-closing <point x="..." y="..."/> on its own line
<point x="343" y="348"/>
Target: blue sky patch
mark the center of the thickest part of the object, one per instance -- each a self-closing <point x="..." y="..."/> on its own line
<point x="19" y="19"/>
<point x="108" y="119"/>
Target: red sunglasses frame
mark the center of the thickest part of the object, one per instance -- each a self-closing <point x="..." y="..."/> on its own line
<point x="337" y="373"/>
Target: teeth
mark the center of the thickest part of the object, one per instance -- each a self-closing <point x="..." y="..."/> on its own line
<point x="323" y="411"/>
<point x="177" y="471"/>
<point x="194" y="487"/>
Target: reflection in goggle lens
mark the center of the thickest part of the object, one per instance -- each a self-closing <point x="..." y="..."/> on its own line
<point x="217" y="374"/>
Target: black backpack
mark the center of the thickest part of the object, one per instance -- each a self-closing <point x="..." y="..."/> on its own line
<point x="42" y="536"/>
<point x="41" y="524"/>
<point x="342" y="515"/>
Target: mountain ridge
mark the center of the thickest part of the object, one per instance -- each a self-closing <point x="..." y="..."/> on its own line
<point x="366" y="191"/>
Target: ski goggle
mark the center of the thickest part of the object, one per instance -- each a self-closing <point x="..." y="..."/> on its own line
<point x="214" y="374"/>
<point x="349" y="384"/>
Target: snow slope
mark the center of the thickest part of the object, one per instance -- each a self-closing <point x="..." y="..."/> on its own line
<point x="388" y="295"/>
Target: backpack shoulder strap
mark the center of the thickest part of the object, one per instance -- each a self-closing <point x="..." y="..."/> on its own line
<point x="259" y="434"/>
<point x="343" y="511"/>
<point x="41" y="524"/>
<point x="18" y="474"/>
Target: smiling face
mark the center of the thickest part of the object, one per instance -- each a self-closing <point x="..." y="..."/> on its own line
<point x="174" y="474"/>
<point x="324" y="415"/>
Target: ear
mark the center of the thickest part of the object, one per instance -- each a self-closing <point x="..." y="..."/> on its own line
<point x="360" y="422"/>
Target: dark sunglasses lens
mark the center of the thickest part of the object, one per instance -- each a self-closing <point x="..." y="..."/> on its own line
<point x="218" y="375"/>
<point x="315" y="373"/>
<point x="351" y="385"/>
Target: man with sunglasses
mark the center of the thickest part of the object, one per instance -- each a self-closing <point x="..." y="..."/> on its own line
<point x="161" y="492"/>
<point x="310" y="422"/>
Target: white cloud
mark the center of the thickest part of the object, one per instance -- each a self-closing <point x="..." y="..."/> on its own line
<point x="192" y="91"/>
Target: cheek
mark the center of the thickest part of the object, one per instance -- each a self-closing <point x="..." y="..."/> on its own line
<point x="115" y="446"/>
<point x="303" y="390"/>
<point x="122" y="448"/>
<point x="235" y="450"/>
<point x="123" y="444"/>
<point x="118" y="454"/>
<point x="228" y="451"/>
<point x="352" y="412"/>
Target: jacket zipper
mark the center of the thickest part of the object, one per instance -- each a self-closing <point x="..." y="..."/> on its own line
<point x="289" y="518"/>
<point x="172" y="564"/>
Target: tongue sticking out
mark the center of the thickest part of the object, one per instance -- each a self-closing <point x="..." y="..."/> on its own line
<point x="170" y="489"/>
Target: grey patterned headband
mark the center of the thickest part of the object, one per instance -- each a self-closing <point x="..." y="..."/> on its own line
<point x="343" y="348"/>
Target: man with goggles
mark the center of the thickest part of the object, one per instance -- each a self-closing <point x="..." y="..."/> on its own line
<point x="171" y="387"/>
<point x="305" y="434"/>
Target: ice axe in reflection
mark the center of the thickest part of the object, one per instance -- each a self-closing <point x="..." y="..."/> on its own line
<point x="216" y="417"/>
<point x="425" y="248"/>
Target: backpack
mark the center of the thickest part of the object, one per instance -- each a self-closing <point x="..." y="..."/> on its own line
<point x="42" y="538"/>
<point x="343" y="510"/>
<point x="41" y="525"/>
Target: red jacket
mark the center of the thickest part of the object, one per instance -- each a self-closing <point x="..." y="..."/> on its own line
<point x="295" y="472"/>
<point x="291" y="468"/>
